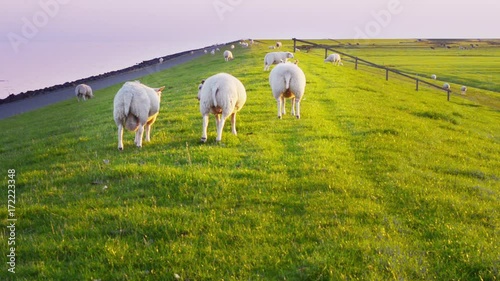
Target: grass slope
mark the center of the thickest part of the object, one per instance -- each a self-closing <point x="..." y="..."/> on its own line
<point x="375" y="182"/>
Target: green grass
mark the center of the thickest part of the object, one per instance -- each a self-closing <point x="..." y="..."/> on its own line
<point x="375" y="182"/>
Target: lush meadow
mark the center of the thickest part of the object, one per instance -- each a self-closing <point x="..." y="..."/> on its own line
<point x="375" y="182"/>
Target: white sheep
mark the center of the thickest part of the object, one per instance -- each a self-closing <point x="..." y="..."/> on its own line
<point x="232" y="46"/>
<point x="136" y="107"/>
<point x="287" y="80"/>
<point x="223" y="95"/>
<point x="83" y="91"/>
<point x="161" y="60"/>
<point x="334" y="59"/>
<point x="244" y="45"/>
<point x="279" y="45"/>
<point x="272" y="47"/>
<point x="275" y="58"/>
<point x="212" y="52"/>
<point x="446" y="86"/>
<point x="464" y="90"/>
<point x="205" y="51"/>
<point x="228" y="55"/>
<point x="433" y="76"/>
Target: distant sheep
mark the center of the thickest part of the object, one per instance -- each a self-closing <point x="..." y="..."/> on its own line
<point x="446" y="86"/>
<point x="223" y="95"/>
<point x="287" y="80"/>
<point x="464" y="90"/>
<point x="275" y="58"/>
<point x="228" y="55"/>
<point x="212" y="52"/>
<point x="279" y="45"/>
<point x="433" y="76"/>
<point x="232" y="46"/>
<point x="334" y="59"/>
<point x="272" y="47"/>
<point x="160" y="60"/>
<point x="83" y="91"/>
<point x="136" y="107"/>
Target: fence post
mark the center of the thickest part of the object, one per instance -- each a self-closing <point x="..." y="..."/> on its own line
<point x="386" y="74"/>
<point x="294" y="44"/>
<point x="448" y="94"/>
<point x="326" y="53"/>
<point x="417" y="86"/>
<point x="356" y="64"/>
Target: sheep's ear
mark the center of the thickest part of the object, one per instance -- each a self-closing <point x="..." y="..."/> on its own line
<point x="202" y="82"/>
<point x="160" y="89"/>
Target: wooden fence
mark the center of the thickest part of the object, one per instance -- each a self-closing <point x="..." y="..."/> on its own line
<point x="358" y="61"/>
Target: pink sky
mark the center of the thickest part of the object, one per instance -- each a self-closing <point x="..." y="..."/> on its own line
<point x="183" y="24"/>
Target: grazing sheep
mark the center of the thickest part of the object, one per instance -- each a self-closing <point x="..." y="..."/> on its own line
<point x="446" y="86"/>
<point x="136" y="107"/>
<point x="223" y="95"/>
<point x="83" y="91"/>
<point x="464" y="90"/>
<point x="228" y="55"/>
<point x="433" y="76"/>
<point x="212" y="52"/>
<point x="279" y="45"/>
<point x="232" y="46"/>
<point x="160" y="60"/>
<point x="275" y="58"/>
<point x="287" y="80"/>
<point x="334" y="59"/>
<point x="272" y="47"/>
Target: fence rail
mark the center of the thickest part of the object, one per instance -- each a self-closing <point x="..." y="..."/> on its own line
<point x="358" y="61"/>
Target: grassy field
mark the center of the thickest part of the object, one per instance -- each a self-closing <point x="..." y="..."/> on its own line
<point x="454" y="62"/>
<point x="375" y="182"/>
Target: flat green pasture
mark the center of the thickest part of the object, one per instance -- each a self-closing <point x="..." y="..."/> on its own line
<point x="376" y="181"/>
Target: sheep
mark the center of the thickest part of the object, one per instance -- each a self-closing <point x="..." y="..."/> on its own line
<point x="136" y="107"/>
<point x="275" y="58"/>
<point x="287" y="80"/>
<point x="221" y="94"/>
<point x="232" y="47"/>
<point x="244" y="45"/>
<point x="83" y="91"/>
<point x="334" y="59"/>
<point x="279" y="45"/>
<point x="272" y="47"/>
<point x="433" y="76"/>
<point x="205" y="51"/>
<point x="212" y="52"/>
<point x="464" y="90"/>
<point x="446" y="86"/>
<point x="228" y="55"/>
<point x="160" y="60"/>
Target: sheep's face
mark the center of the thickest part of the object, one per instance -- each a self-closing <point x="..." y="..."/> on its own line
<point x="199" y="89"/>
<point x="289" y="55"/>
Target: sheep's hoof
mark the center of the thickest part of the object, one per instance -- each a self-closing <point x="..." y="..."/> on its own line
<point x="203" y="140"/>
<point x="120" y="148"/>
<point x="298" y="116"/>
<point x="279" y="117"/>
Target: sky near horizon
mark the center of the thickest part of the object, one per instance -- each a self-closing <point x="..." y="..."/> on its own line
<point x="25" y="25"/>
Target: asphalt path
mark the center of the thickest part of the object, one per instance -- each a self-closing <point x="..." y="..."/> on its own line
<point x="38" y="101"/>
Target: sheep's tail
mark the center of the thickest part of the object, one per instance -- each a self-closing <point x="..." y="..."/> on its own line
<point x="127" y="101"/>
<point x="288" y="78"/>
<point x="214" y="95"/>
